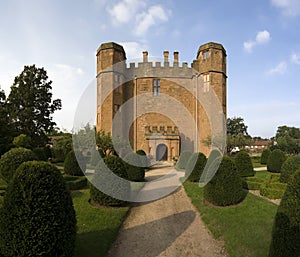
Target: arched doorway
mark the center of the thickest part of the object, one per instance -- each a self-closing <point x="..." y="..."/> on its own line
<point x="162" y="152"/>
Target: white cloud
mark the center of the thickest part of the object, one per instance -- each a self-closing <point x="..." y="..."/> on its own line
<point x="125" y="10"/>
<point x="281" y="68"/>
<point x="289" y="7"/>
<point x="133" y="49"/>
<point x="249" y="45"/>
<point x="295" y="59"/>
<point x="262" y="37"/>
<point x="153" y="16"/>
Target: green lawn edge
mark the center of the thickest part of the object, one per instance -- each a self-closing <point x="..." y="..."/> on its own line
<point x="246" y="228"/>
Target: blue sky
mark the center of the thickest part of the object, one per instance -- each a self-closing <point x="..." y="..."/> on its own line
<point x="261" y="38"/>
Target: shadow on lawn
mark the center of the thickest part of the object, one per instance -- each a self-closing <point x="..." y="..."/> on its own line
<point x="152" y="238"/>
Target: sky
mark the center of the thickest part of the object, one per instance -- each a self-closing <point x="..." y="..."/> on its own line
<point x="261" y="38"/>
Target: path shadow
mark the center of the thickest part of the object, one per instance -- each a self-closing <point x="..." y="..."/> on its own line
<point x="152" y="238"/>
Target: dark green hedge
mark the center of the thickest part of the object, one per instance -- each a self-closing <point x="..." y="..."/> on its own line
<point x="195" y="166"/>
<point x="244" y="164"/>
<point x="75" y="182"/>
<point x="252" y="183"/>
<point x="72" y="166"/>
<point x="275" y="161"/>
<point x="144" y="160"/>
<point x="135" y="172"/>
<point x="289" y="167"/>
<point x="226" y="186"/>
<point x="12" y="159"/>
<point x="272" y="188"/>
<point x="183" y="159"/>
<point x="264" y="156"/>
<point x="286" y="229"/>
<point x="117" y="166"/>
<point x="38" y="218"/>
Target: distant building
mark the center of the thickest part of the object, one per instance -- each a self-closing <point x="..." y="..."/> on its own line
<point x="152" y="132"/>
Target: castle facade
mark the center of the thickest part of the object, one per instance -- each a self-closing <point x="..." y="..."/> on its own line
<point x="157" y="106"/>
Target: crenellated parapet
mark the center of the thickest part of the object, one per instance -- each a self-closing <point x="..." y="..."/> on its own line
<point x="162" y="130"/>
<point x="162" y="69"/>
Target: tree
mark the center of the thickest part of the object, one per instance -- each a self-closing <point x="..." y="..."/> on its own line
<point x="237" y="134"/>
<point x="288" y="131"/>
<point x="236" y="126"/>
<point x="5" y="129"/>
<point x="30" y="104"/>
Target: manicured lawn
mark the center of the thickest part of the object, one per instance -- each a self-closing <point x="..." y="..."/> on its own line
<point x="256" y="162"/>
<point x="97" y="228"/>
<point x="245" y="228"/>
<point x="261" y="174"/>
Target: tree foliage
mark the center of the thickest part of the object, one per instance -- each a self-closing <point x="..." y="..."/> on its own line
<point x="288" y="131"/>
<point x="5" y="128"/>
<point x="237" y="134"/>
<point x="30" y="104"/>
<point x="236" y="126"/>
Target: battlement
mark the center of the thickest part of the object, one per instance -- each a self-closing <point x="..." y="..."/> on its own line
<point x="161" y="130"/>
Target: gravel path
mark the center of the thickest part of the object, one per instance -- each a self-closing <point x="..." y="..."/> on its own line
<point x="169" y="227"/>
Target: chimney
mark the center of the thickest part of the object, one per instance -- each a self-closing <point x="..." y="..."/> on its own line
<point x="176" y="54"/>
<point x="166" y="56"/>
<point x="145" y="56"/>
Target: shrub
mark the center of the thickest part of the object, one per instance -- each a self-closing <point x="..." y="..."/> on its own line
<point x="252" y="183"/>
<point x="37" y="218"/>
<point x="134" y="172"/>
<point x="40" y="153"/>
<point x="226" y="186"/>
<point x="244" y="164"/>
<point x="275" y="161"/>
<point x="183" y="159"/>
<point x="58" y="154"/>
<point x="117" y="166"/>
<point x="144" y="160"/>
<point x="195" y="166"/>
<point x="95" y="157"/>
<point x="264" y="156"/>
<point x="22" y="140"/>
<point x="286" y="228"/>
<point x="72" y="166"/>
<point x="12" y="159"/>
<point x="75" y="182"/>
<point x="290" y="165"/>
<point x="272" y="188"/>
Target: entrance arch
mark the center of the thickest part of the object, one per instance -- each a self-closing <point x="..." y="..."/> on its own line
<point x="161" y="152"/>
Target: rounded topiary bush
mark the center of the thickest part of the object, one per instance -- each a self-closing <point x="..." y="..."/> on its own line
<point x="264" y="156"/>
<point x="116" y="165"/>
<point x="135" y="172"/>
<point x="286" y="228"/>
<point x="290" y="165"/>
<point x="37" y="218"/>
<point x="144" y="160"/>
<point x="225" y="188"/>
<point x="74" y="166"/>
<point x="275" y="161"/>
<point x="244" y="164"/>
<point x="195" y="166"/>
<point x="12" y="159"/>
<point x="183" y="159"/>
<point x="95" y="157"/>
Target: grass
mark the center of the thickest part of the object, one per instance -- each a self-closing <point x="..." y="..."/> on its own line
<point x="261" y="174"/>
<point x="256" y="162"/>
<point x="245" y="228"/>
<point x="97" y="228"/>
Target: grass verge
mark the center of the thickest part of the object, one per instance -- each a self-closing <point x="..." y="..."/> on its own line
<point x="97" y="228"/>
<point x="245" y="228"/>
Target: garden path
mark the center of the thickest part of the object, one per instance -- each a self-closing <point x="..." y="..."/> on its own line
<point x="168" y="227"/>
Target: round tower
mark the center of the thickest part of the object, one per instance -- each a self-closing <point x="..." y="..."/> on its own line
<point x="111" y="67"/>
<point x="211" y="60"/>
